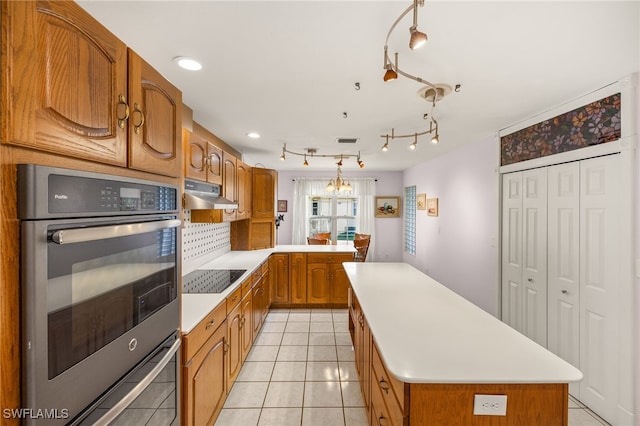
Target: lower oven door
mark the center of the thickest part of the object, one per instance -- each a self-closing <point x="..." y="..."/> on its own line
<point x="148" y="395"/>
<point x="98" y="296"/>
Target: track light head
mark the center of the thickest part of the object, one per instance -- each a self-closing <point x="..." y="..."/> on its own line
<point x="418" y="38"/>
<point x="435" y="139"/>
<point x="390" y="74"/>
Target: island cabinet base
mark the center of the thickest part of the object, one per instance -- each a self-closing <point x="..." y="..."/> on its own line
<point x="452" y="404"/>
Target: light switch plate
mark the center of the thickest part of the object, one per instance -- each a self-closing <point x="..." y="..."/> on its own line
<point x="490" y="405"/>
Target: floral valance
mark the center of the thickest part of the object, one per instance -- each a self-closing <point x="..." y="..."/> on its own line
<point x="592" y="124"/>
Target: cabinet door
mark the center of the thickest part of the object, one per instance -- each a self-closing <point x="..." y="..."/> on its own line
<point x="229" y="184"/>
<point x="257" y="308"/>
<point x="196" y="156"/>
<point x="155" y="137"/>
<point x="244" y="191"/>
<point x="263" y="198"/>
<point x="69" y="75"/>
<point x="279" y="277"/>
<point x="246" y="324"/>
<point x="214" y="164"/>
<point x="339" y="284"/>
<point x="203" y="160"/>
<point x="318" y="283"/>
<point x="204" y="378"/>
<point x="234" y="341"/>
<point x="298" y="267"/>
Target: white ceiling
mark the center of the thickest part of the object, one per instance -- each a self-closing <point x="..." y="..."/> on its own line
<point x="288" y="69"/>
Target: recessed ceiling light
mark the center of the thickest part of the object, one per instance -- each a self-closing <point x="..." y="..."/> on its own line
<point x="253" y="135"/>
<point x="188" y="63"/>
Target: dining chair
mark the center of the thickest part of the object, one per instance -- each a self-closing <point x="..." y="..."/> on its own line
<point x="323" y="235"/>
<point x="317" y="241"/>
<point x="362" y="247"/>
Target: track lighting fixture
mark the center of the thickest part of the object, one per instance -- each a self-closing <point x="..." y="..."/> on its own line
<point x="313" y="152"/>
<point x="414" y="144"/>
<point x="430" y="92"/>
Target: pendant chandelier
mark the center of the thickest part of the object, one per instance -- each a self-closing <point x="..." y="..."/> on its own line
<point x="339" y="184"/>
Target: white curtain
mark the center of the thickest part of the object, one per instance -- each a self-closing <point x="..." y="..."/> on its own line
<point x="362" y="188"/>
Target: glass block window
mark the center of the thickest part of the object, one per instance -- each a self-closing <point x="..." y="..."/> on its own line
<point x="410" y="220"/>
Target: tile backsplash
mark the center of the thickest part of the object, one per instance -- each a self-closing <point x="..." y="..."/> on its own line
<point x="203" y="242"/>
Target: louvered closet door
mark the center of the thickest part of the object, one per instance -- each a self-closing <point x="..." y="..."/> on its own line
<point x="564" y="264"/>
<point x="599" y="281"/>
<point x="512" y="249"/>
<point x="534" y="254"/>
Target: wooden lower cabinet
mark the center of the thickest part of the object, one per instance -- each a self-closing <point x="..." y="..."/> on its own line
<point x="298" y="277"/>
<point x="327" y="282"/>
<point x="279" y="277"/>
<point x="234" y="342"/>
<point x="246" y="328"/>
<point x="204" y="379"/>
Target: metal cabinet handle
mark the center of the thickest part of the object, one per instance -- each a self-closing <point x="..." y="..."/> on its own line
<point x="136" y="127"/>
<point x="565" y="291"/>
<point x="382" y="421"/>
<point x="530" y="280"/>
<point x="121" y="120"/>
<point x="210" y="324"/>
<point x="384" y="385"/>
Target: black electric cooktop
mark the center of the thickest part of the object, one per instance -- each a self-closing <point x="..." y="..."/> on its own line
<point x="210" y="280"/>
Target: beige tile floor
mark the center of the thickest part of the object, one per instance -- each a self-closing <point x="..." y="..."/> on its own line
<point x="301" y="372"/>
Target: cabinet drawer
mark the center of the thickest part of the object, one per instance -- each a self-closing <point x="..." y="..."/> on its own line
<point x="247" y="285"/>
<point x="257" y="274"/>
<point x="379" y="414"/>
<point x="391" y="389"/>
<point x="329" y="257"/>
<point x="265" y="267"/>
<point x="234" y="298"/>
<point x="195" y="339"/>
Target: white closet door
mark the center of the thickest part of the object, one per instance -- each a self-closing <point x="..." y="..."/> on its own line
<point x="599" y="283"/>
<point x="564" y="264"/>
<point x="512" y="249"/>
<point x="534" y="255"/>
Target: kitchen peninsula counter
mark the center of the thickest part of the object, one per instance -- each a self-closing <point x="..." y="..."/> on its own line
<point x="430" y="338"/>
<point x="196" y="306"/>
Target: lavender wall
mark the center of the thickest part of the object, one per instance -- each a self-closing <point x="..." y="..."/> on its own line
<point x="388" y="233"/>
<point x="459" y="248"/>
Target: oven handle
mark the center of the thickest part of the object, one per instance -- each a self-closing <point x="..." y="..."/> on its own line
<point x="81" y="235"/>
<point x="121" y="405"/>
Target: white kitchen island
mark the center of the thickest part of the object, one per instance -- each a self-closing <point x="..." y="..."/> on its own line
<point x="438" y="351"/>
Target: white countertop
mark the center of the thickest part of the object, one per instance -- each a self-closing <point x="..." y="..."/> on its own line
<point x="196" y="306"/>
<point x="426" y="333"/>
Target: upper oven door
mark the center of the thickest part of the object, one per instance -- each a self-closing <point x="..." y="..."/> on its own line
<point x="98" y="296"/>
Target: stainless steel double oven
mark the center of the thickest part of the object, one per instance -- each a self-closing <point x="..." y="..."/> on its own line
<point x="100" y="305"/>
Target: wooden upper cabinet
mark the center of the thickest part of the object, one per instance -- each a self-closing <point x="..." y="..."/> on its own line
<point x="203" y="160"/>
<point x="155" y="120"/>
<point x="243" y="181"/>
<point x="229" y="184"/>
<point x="264" y="183"/>
<point x="64" y="82"/>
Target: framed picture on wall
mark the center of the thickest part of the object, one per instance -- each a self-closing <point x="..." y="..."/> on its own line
<point x="432" y="207"/>
<point x="282" y="206"/>
<point x="421" y="201"/>
<point x="387" y="207"/>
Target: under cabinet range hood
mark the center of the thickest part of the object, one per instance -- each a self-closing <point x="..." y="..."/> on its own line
<point x="205" y="196"/>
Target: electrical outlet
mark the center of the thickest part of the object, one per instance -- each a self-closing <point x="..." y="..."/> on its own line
<point x="490" y="405"/>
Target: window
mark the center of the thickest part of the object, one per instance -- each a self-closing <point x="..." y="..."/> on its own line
<point x="333" y="214"/>
<point x="410" y="220"/>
